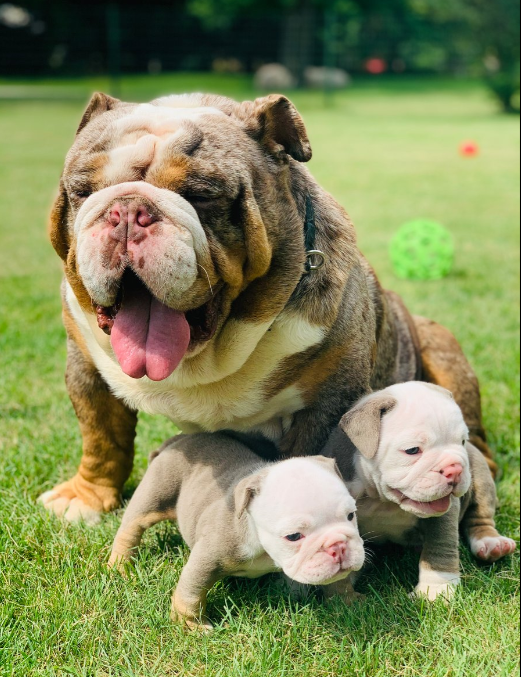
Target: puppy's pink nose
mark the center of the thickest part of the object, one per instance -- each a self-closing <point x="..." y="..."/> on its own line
<point x="453" y="473"/>
<point x="337" y="551"/>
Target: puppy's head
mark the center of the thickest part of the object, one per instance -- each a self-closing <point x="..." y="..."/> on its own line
<point x="412" y="442"/>
<point x="305" y="519"/>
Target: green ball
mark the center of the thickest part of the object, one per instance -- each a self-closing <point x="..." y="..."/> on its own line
<point x="422" y="250"/>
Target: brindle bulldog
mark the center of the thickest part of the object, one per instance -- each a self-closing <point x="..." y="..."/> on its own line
<point x="187" y="228"/>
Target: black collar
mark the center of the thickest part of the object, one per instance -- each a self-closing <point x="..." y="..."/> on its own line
<point x="310" y="226"/>
<point x="315" y="259"/>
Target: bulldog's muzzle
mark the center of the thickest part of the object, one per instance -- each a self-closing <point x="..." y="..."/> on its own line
<point x="140" y="250"/>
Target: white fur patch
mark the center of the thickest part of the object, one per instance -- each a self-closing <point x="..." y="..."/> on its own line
<point x="141" y="135"/>
<point x="492" y="548"/>
<point x="223" y="387"/>
<point x="381" y="521"/>
<point x="171" y="204"/>
<point x="166" y="117"/>
<point x="255" y="568"/>
<point x="433" y="584"/>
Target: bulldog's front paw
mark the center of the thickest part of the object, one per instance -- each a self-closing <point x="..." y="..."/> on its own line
<point x="80" y="501"/>
<point x="437" y="584"/>
<point x="492" y="549"/>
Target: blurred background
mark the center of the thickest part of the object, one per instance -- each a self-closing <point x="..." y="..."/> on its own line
<point x="306" y="43"/>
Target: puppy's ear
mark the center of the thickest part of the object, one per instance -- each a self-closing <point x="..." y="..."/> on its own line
<point x="99" y="104"/>
<point x="328" y="463"/>
<point x="363" y="423"/>
<point x="274" y="122"/>
<point x="246" y="491"/>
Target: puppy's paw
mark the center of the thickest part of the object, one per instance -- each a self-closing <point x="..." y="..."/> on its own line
<point x="202" y="625"/>
<point x="353" y="598"/>
<point x="437" y="585"/>
<point x="80" y="501"/>
<point x="492" y="549"/>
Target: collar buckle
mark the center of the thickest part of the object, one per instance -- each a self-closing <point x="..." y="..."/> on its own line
<point x="315" y="260"/>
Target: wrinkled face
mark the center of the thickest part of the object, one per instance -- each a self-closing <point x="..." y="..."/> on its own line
<point x="161" y="223"/>
<point x="422" y="459"/>
<point x="306" y="521"/>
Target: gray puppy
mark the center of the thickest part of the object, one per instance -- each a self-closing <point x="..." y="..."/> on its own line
<point x="405" y="455"/>
<point x="242" y="516"/>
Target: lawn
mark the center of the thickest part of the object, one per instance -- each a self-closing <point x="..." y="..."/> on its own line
<point x="389" y="153"/>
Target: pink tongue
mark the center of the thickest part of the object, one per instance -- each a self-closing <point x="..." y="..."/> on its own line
<point x="441" y="505"/>
<point x="148" y="338"/>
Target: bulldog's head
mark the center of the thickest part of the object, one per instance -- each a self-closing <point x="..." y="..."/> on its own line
<point x="305" y="519"/>
<point x="169" y="211"/>
<point x="412" y="442"/>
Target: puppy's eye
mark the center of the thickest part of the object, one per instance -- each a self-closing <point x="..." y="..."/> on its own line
<point x="413" y="452"/>
<point x="464" y="443"/>
<point x="293" y="538"/>
<point x="351" y="516"/>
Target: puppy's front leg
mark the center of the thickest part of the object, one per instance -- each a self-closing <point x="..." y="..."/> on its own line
<point x="344" y="590"/>
<point x="478" y="524"/>
<point x="440" y="562"/>
<point x="189" y="599"/>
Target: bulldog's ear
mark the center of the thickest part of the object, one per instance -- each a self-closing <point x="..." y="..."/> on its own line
<point x="363" y="423"/>
<point x="328" y="463"/>
<point x="246" y="491"/>
<point x="99" y="104"/>
<point x="275" y="123"/>
<point x="58" y="228"/>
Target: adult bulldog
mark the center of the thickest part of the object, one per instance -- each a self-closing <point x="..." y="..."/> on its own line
<point x="186" y="228"/>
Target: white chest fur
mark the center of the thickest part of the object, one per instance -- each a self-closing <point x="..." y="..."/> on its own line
<point x="258" y="567"/>
<point x="381" y="521"/>
<point x="228" y="391"/>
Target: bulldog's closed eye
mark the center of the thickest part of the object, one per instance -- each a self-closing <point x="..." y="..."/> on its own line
<point x="82" y="194"/>
<point x="413" y="452"/>
<point x="202" y="199"/>
<point x="293" y="538"/>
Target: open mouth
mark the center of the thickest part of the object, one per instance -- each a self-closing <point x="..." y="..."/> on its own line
<point x="149" y="338"/>
<point x="437" y="507"/>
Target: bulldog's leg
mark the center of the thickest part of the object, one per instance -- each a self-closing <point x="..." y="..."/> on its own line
<point x="439" y="561"/>
<point x="478" y="523"/>
<point x="108" y="429"/>
<point x="445" y="364"/>
<point x="200" y="573"/>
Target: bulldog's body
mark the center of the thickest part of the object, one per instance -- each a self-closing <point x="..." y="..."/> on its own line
<point x="241" y="516"/>
<point x="185" y="227"/>
<point x="405" y="455"/>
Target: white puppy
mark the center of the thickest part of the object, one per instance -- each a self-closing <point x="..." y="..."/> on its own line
<point x="242" y="516"/>
<point x="405" y="455"/>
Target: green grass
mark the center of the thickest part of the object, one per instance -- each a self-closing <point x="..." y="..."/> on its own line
<point x="388" y="153"/>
